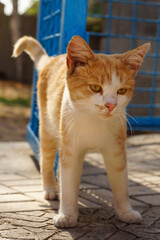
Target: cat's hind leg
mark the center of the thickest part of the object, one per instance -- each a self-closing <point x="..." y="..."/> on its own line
<point x="48" y="150"/>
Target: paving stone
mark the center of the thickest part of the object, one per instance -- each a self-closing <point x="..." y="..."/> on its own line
<point x="38" y="196"/>
<point x="150" y="199"/>
<point x="142" y="232"/>
<point x="26" y="206"/>
<point x="152" y="179"/>
<point x="6" y="226"/>
<point x="157" y="173"/>
<point x="6" y="190"/>
<point x="23" y="182"/>
<point x="92" y="168"/>
<point x="10" y="177"/>
<point x="24" y="223"/>
<point x="97" y="180"/>
<point x="122" y="236"/>
<point x="62" y="236"/>
<point x="13" y="155"/>
<point x="101" y="196"/>
<point x="116" y="222"/>
<point x="49" y="214"/>
<point x="151" y="216"/>
<point x="18" y="234"/>
<point x="76" y="233"/>
<point x="140" y="190"/>
<point x="97" y="220"/>
<point x="32" y="188"/>
<point x="101" y="232"/>
<point x="85" y="185"/>
<point x="143" y="139"/>
<point x="13" y="198"/>
<point x="32" y="213"/>
<point x="104" y="196"/>
<point x="83" y="203"/>
<point x="131" y="183"/>
<point x="18" y="216"/>
<point x="45" y="234"/>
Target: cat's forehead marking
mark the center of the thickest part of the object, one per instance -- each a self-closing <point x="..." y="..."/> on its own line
<point x="109" y="68"/>
<point x="113" y="83"/>
<point x="115" y="78"/>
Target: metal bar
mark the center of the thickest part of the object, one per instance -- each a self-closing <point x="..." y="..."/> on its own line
<point x="143" y="106"/>
<point x="134" y="24"/>
<point x="147" y="56"/>
<point x="124" y="36"/>
<point x="51" y="36"/>
<point x="73" y="21"/>
<point x="149" y="73"/>
<point x="146" y="89"/>
<point x="52" y="15"/>
<point x="109" y="25"/>
<point x="132" y="2"/>
<point x="155" y="67"/>
<point x="93" y="15"/>
<point x="145" y="123"/>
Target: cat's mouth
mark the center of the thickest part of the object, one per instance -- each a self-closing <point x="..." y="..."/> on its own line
<point x="106" y="115"/>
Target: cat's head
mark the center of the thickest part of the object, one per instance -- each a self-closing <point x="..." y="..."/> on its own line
<point x="98" y="83"/>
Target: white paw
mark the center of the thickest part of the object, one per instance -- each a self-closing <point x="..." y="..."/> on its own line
<point x="65" y="221"/>
<point x="130" y="217"/>
<point x="50" y="194"/>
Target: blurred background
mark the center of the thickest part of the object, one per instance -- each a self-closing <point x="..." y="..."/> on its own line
<point x="19" y="17"/>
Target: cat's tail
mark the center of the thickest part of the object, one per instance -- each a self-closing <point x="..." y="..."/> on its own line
<point x="34" y="49"/>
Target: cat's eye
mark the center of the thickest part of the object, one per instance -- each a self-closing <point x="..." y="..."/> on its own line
<point x="122" y="91"/>
<point x="96" y="88"/>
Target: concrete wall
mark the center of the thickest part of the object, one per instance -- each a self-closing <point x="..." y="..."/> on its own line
<point x="7" y="64"/>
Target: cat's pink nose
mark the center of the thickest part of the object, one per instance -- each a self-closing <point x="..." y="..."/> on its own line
<point x="110" y="106"/>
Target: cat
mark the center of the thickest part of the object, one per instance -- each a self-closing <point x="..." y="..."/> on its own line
<point x="82" y="99"/>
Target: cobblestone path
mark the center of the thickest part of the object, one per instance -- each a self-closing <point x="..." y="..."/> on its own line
<point x="24" y="214"/>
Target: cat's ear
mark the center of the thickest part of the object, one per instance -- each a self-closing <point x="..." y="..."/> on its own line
<point x="78" y="53"/>
<point x="134" y="58"/>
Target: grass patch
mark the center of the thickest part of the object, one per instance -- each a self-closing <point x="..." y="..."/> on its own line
<point x="25" y="102"/>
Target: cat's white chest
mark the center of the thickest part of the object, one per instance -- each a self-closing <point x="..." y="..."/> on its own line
<point x="89" y="133"/>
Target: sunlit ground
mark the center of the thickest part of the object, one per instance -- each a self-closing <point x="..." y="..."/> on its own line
<point x="15" y="101"/>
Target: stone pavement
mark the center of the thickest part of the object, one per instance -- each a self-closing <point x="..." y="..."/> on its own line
<point x="24" y="214"/>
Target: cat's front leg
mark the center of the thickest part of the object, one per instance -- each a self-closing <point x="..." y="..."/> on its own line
<point x="116" y="165"/>
<point x="70" y="172"/>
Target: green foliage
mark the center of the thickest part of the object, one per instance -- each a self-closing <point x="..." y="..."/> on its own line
<point x="25" y="102"/>
<point x="96" y="7"/>
<point x="34" y="9"/>
<point x="94" y="24"/>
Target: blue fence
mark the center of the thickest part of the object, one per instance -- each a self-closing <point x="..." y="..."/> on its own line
<point x="120" y="25"/>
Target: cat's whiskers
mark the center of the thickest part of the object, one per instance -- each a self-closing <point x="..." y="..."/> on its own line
<point x="69" y="125"/>
<point x="131" y="117"/>
<point x="123" y="125"/>
<point x="130" y="126"/>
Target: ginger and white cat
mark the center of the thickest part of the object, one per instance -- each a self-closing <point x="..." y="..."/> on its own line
<point x="82" y="100"/>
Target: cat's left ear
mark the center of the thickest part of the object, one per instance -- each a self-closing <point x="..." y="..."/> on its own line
<point x="134" y="58"/>
<point x="78" y="53"/>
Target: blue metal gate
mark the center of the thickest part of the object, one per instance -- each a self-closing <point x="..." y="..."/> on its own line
<point x="121" y="25"/>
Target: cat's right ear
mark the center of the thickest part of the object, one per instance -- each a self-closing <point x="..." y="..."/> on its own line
<point x="78" y="53"/>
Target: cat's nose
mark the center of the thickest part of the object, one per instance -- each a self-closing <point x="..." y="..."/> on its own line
<point x="110" y="106"/>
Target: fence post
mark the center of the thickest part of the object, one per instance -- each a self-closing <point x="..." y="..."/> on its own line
<point x="73" y="22"/>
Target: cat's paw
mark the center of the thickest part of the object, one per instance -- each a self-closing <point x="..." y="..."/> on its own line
<point x="50" y="194"/>
<point x="131" y="216"/>
<point x="64" y="221"/>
